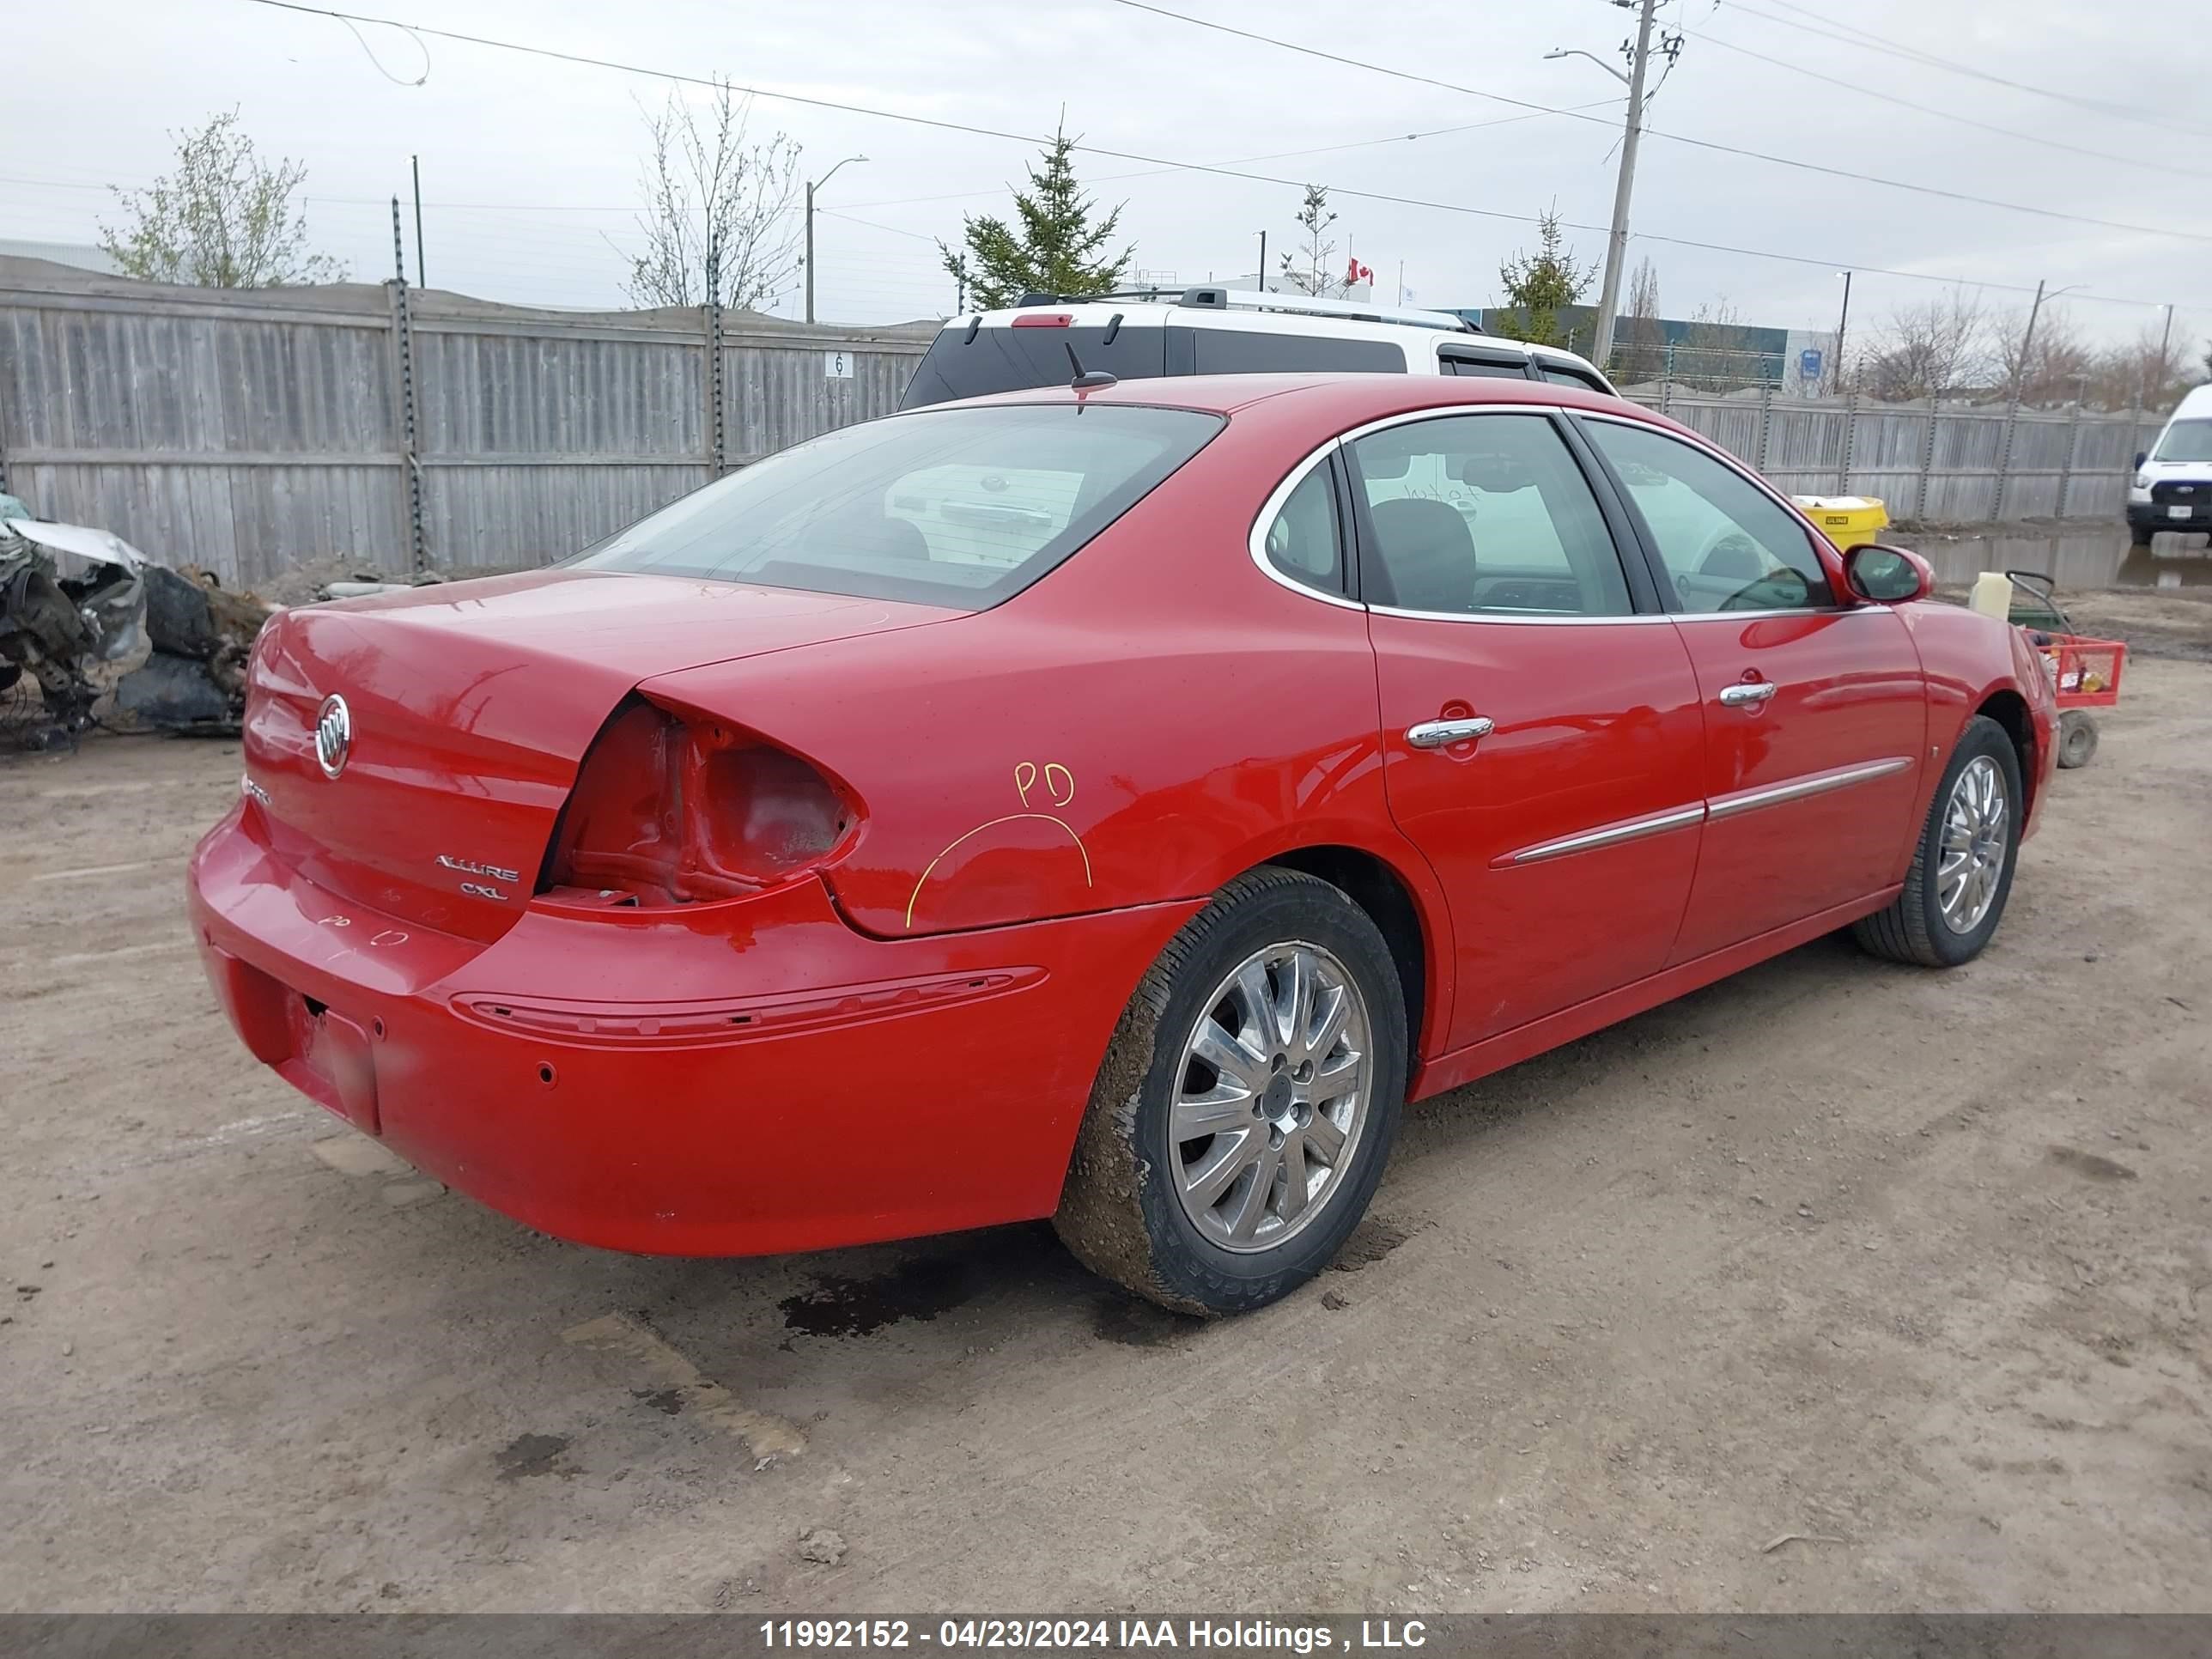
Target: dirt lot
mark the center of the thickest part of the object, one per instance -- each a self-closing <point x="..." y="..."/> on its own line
<point x="1912" y="1266"/>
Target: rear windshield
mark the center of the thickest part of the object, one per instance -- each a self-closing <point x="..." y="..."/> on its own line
<point x="957" y="507"/>
<point x="2186" y="441"/>
<point x="1007" y="359"/>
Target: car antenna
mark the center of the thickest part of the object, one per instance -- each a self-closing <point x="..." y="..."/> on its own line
<point x="1095" y="380"/>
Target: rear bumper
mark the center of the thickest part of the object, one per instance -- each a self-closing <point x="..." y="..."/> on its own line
<point x="734" y="1079"/>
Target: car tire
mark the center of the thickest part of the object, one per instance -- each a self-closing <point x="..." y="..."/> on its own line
<point x="2077" y="738"/>
<point x="1166" y="1125"/>
<point x="2138" y="536"/>
<point x="1936" y="921"/>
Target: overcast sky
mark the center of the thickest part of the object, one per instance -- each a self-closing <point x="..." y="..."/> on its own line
<point x="530" y="166"/>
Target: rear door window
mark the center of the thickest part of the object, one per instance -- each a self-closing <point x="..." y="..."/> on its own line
<point x="1005" y="359"/>
<point x="1476" y="514"/>
<point x="1254" y="351"/>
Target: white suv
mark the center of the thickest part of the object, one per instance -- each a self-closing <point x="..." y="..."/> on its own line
<point x="1145" y="333"/>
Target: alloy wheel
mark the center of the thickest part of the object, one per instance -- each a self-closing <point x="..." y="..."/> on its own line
<point x="1976" y="832"/>
<point x="1272" y="1096"/>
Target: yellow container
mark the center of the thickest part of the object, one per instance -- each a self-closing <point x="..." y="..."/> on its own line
<point x="1846" y="520"/>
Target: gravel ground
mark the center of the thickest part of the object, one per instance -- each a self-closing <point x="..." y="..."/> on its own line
<point x="1907" y="1270"/>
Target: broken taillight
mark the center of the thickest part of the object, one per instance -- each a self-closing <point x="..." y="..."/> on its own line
<point x="675" y="807"/>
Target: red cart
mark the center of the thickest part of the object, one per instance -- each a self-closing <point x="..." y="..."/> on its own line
<point x="2085" y="673"/>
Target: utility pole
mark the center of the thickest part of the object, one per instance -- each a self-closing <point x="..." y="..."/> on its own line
<point x="1263" y="262"/>
<point x="415" y="164"/>
<point x="1843" y="317"/>
<point x="2012" y="408"/>
<point x="2165" y="343"/>
<point x="1616" y="246"/>
<point x="2026" y="345"/>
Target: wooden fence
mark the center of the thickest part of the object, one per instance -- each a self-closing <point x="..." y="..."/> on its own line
<point x="248" y="431"/>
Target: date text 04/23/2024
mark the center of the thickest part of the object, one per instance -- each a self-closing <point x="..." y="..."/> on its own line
<point x="1110" y="1635"/>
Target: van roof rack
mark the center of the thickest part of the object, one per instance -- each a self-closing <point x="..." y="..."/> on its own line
<point x="1238" y="299"/>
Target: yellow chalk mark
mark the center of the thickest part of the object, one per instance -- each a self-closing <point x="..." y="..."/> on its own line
<point x="1025" y="779"/>
<point x="1009" y="818"/>
<point x="1066" y="776"/>
<point x="765" y="1435"/>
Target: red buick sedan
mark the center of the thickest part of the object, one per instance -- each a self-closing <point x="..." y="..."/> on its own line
<point x="1108" y="804"/>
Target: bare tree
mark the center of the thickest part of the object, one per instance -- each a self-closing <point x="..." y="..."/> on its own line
<point x="2048" y="367"/>
<point x="715" y="203"/>
<point x="1639" y="344"/>
<point x="223" y="219"/>
<point x="1640" y="326"/>
<point x="2147" y="372"/>
<point x="1717" y="352"/>
<point x="1311" y="267"/>
<point x="1926" y="350"/>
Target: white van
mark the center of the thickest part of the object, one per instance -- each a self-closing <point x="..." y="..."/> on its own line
<point x="2171" y="488"/>
<point x="1146" y="333"/>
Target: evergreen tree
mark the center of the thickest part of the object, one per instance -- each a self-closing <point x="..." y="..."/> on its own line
<point x="1055" y="246"/>
<point x="1311" y="267"/>
<point x="1538" y="286"/>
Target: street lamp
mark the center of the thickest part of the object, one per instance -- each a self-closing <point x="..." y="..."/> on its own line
<point x="1577" y="52"/>
<point x="814" y="185"/>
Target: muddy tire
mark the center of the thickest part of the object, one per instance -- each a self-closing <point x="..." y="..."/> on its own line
<point x="1247" y="1102"/>
<point x="2077" y="738"/>
<point x="1954" y="894"/>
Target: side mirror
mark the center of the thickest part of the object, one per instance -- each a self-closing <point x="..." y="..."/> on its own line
<point x="2141" y="455"/>
<point x="1880" y="574"/>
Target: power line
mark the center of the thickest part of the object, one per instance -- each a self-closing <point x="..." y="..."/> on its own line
<point x="1037" y="141"/>
<point x="1653" y="132"/>
<point x="832" y="213"/>
<point x="1876" y="43"/>
<point x="1944" y="114"/>
<point x="1242" y="161"/>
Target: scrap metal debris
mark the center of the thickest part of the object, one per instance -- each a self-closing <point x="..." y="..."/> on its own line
<point x="73" y="597"/>
<point x="70" y="597"/>
<point x="203" y="634"/>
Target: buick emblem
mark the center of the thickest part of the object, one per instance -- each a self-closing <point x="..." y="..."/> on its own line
<point x="333" y="735"/>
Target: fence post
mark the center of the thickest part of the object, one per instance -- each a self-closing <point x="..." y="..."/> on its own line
<point x="403" y="363"/>
<point x="717" y="436"/>
<point x="2004" y="461"/>
<point x="1850" y="441"/>
<point x="1667" y="380"/>
<point x="2066" y="471"/>
<point x="1766" y="423"/>
<point x="1927" y="456"/>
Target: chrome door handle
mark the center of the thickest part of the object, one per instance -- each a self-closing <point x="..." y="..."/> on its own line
<point x="1438" y="735"/>
<point x="1747" y="694"/>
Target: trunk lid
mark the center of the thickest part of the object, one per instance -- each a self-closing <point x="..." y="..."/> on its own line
<point x="469" y="707"/>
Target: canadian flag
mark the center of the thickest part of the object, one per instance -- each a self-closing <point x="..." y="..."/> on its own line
<point x="1355" y="272"/>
